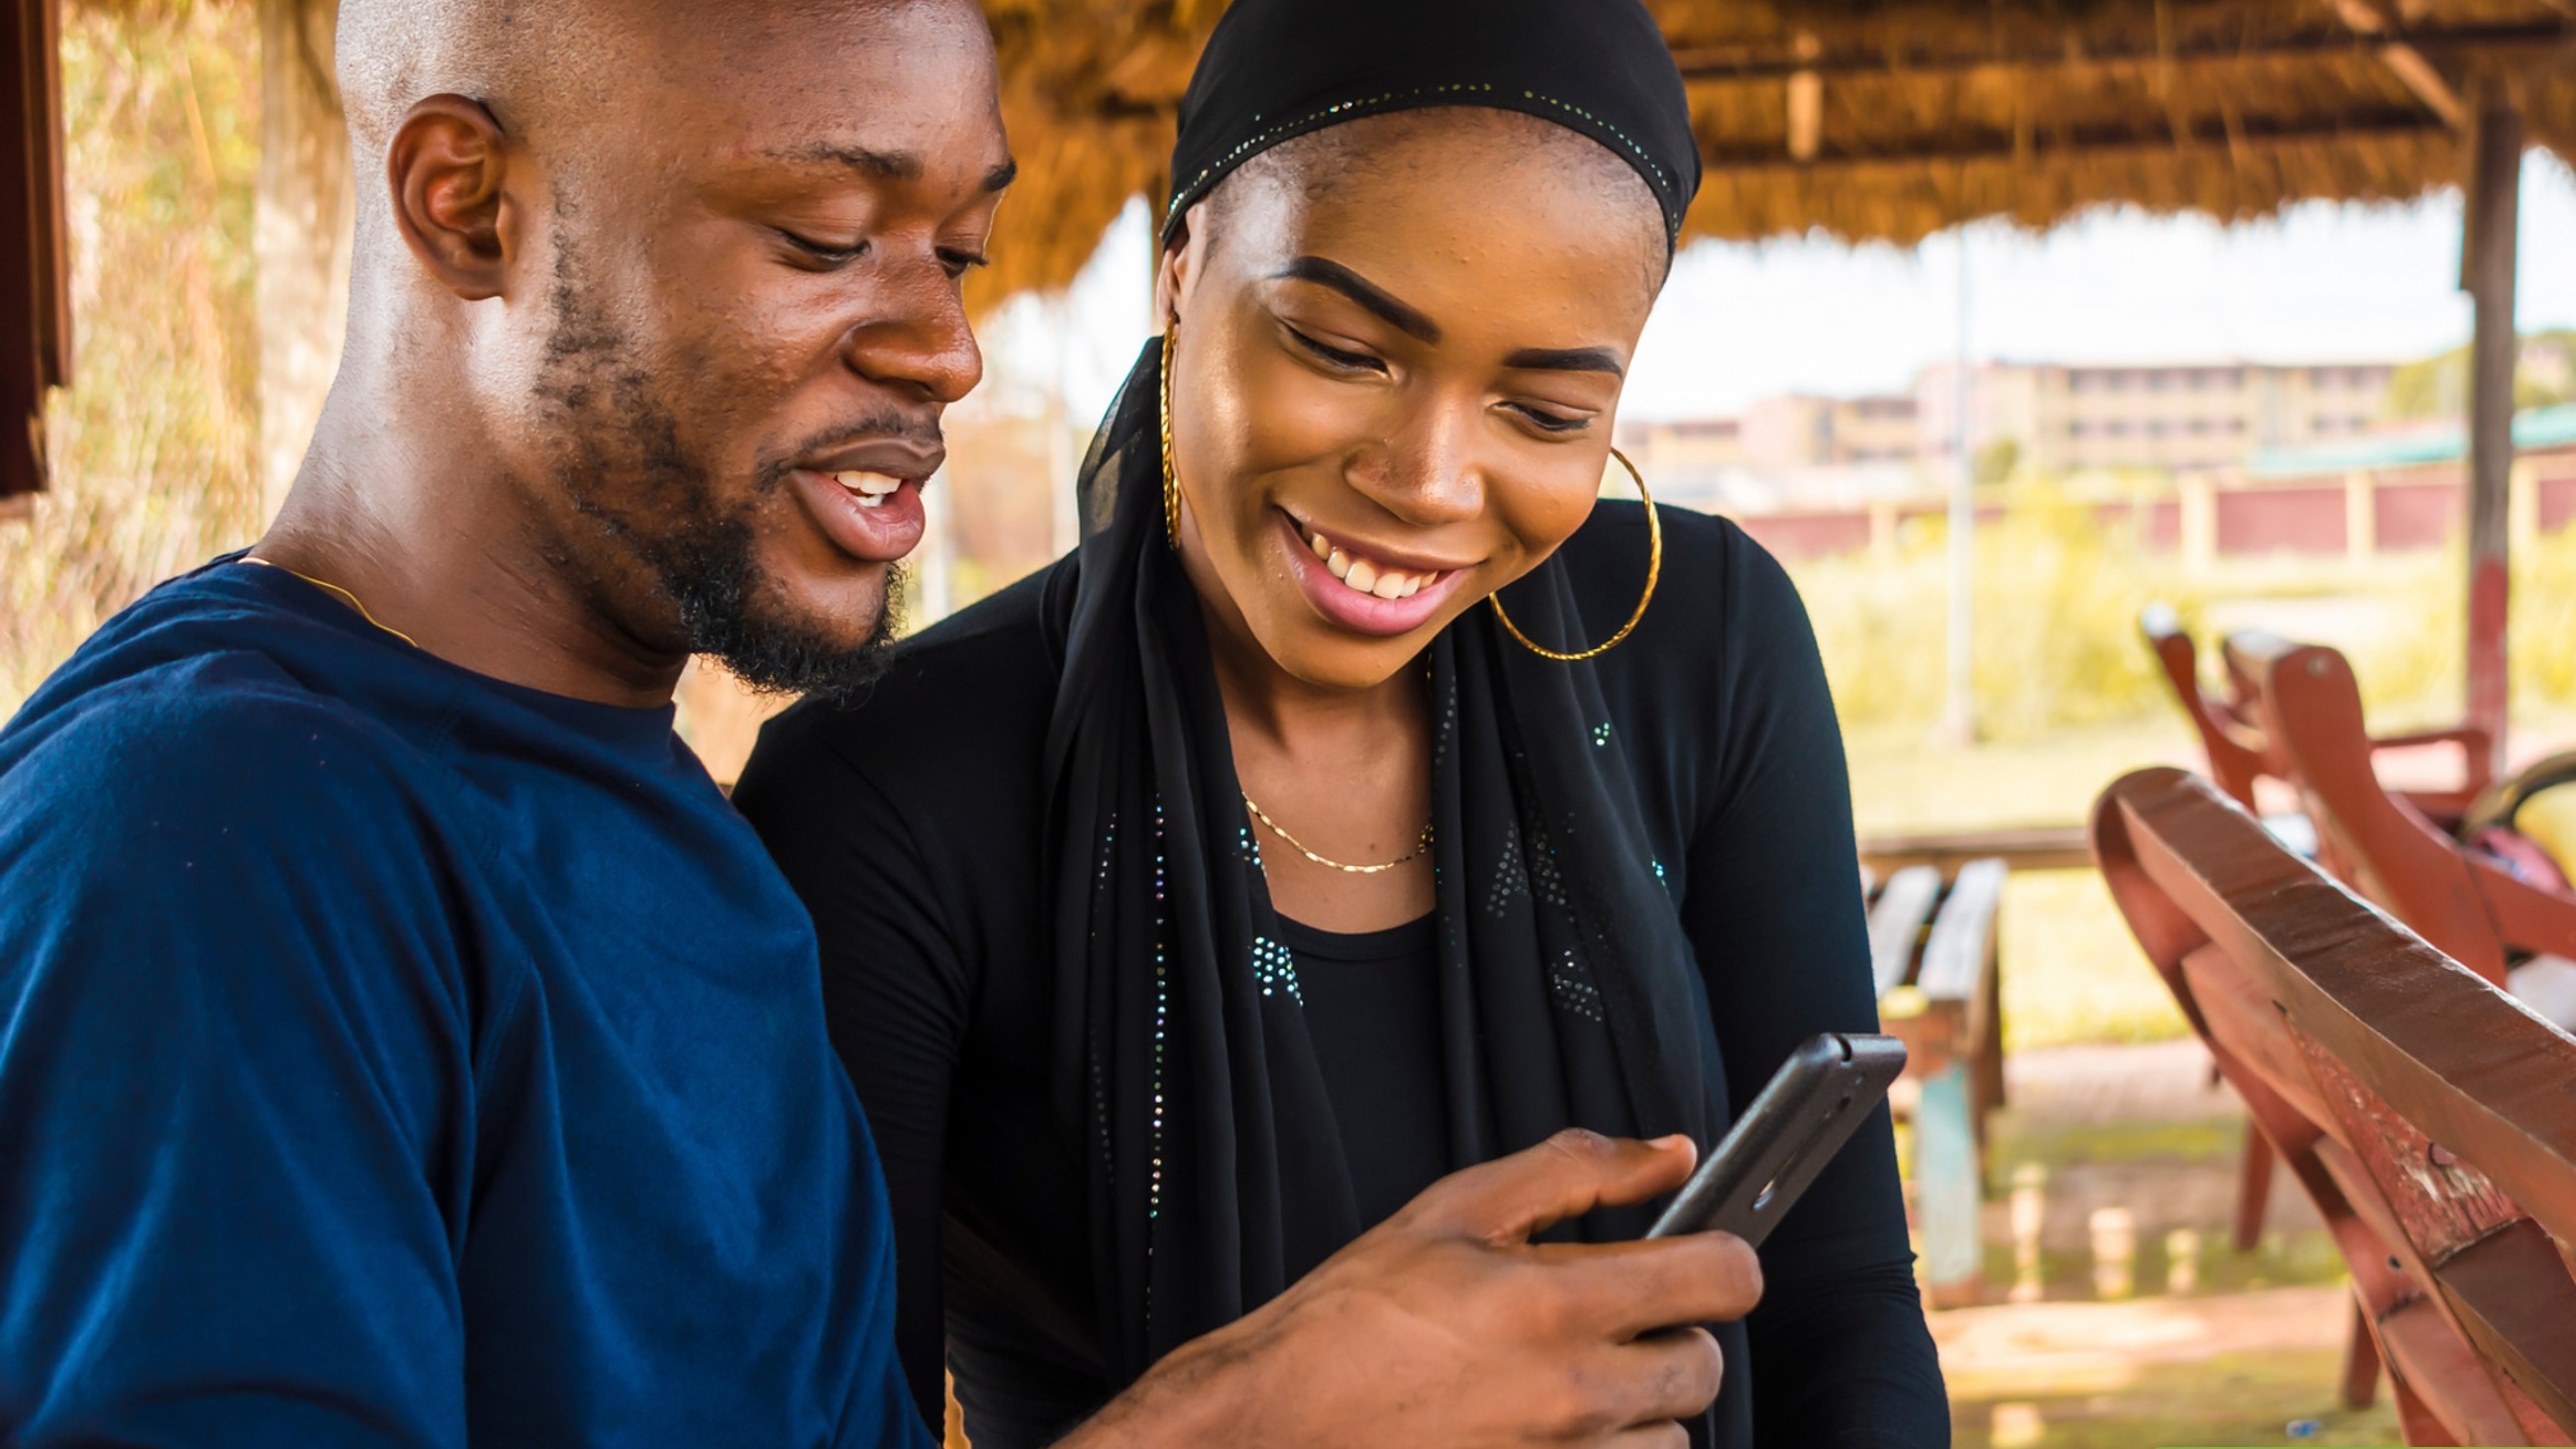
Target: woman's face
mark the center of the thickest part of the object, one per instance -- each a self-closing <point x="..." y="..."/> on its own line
<point x="1399" y="359"/>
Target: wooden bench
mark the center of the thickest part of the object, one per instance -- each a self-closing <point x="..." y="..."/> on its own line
<point x="2427" y="1114"/>
<point x="2386" y="846"/>
<point x="1932" y="951"/>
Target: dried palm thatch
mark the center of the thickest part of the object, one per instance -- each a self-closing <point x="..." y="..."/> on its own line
<point x="1888" y="121"/>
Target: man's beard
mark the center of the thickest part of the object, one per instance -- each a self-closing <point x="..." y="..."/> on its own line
<point x="622" y="463"/>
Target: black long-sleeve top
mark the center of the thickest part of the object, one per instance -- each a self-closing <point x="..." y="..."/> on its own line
<point x="912" y="821"/>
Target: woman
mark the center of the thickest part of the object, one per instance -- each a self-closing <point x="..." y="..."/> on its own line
<point x="1189" y="907"/>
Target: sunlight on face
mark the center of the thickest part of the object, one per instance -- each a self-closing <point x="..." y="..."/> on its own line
<point x="1396" y="376"/>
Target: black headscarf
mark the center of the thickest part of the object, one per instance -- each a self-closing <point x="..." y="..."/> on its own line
<point x="1566" y="990"/>
<point x="1276" y="69"/>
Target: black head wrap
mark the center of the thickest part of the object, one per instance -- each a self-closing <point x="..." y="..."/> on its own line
<point x="1276" y="69"/>
<point x="1567" y="992"/>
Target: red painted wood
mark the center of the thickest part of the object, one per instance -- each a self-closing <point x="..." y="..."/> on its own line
<point x="2358" y="1049"/>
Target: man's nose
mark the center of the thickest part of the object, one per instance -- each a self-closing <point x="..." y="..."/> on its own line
<point x="918" y="339"/>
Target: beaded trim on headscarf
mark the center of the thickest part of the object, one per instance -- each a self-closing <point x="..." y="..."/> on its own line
<point x="1261" y="140"/>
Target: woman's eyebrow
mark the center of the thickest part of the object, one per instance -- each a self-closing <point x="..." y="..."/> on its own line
<point x="1567" y="359"/>
<point x="1328" y="273"/>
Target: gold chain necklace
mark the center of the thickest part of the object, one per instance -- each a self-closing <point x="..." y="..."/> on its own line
<point x="332" y="588"/>
<point x="1421" y="846"/>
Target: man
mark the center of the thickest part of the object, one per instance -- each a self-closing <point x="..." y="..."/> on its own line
<point x="401" y="1041"/>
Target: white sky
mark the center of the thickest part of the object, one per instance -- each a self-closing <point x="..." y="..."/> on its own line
<point x="1737" y="322"/>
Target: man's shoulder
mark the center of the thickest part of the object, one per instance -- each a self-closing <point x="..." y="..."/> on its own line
<point x="194" y="707"/>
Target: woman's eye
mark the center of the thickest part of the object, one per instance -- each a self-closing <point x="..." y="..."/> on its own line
<point x="824" y="252"/>
<point x="1548" y="422"/>
<point x="960" y="262"/>
<point x="1351" y="361"/>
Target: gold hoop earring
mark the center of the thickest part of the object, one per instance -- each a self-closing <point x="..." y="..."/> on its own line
<point x="1654" y="571"/>
<point x="1171" y="479"/>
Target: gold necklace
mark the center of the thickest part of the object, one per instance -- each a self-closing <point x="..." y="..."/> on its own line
<point x="1420" y="846"/>
<point x="334" y="589"/>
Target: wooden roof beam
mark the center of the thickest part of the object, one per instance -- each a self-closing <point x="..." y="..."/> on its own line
<point x="2083" y="146"/>
<point x="2405" y="61"/>
<point x="1720" y="64"/>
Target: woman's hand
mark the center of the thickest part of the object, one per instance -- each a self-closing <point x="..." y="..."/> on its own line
<point x="1446" y="1325"/>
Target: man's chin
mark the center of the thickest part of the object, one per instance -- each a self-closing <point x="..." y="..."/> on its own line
<point x="818" y="651"/>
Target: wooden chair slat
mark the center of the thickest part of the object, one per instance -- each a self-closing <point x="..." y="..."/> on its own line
<point x="1896" y="923"/>
<point x="2513" y="1295"/>
<point x="1963" y="934"/>
<point x="2432" y="1362"/>
<point x="2242" y="1019"/>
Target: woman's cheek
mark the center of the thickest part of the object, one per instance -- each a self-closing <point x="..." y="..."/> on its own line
<point x="1541" y="516"/>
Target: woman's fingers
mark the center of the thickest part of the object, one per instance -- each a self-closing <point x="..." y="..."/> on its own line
<point x="1568" y="1175"/>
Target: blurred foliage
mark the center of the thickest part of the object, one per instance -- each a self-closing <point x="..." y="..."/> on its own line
<point x="2438" y="386"/>
<point x="2056" y="607"/>
<point x="153" y="445"/>
<point x="1996" y="461"/>
<point x="2059" y="586"/>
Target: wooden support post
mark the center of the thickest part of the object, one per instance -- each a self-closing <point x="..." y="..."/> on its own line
<point x="1959" y="702"/>
<point x="2197" y="499"/>
<point x="2360" y="517"/>
<point x="2487" y="274"/>
<point x="35" y="309"/>
<point x="306" y="205"/>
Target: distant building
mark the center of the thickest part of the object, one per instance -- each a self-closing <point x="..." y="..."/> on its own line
<point x="2176" y="417"/>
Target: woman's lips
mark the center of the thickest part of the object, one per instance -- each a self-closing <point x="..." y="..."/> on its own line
<point x="1360" y="593"/>
<point x="866" y="514"/>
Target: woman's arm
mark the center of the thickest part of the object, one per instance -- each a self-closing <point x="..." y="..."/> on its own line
<point x="1841" y="1356"/>
<point x="895" y="995"/>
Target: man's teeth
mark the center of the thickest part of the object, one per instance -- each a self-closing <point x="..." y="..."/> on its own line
<point x="871" y="489"/>
<point x="1364" y="576"/>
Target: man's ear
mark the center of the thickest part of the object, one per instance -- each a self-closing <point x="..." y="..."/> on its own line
<point x="445" y="168"/>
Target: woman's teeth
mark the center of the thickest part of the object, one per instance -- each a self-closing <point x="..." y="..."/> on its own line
<point x="1364" y="576"/>
<point x="871" y="489"/>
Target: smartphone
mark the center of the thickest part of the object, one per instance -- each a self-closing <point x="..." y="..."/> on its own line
<point x="1781" y="1142"/>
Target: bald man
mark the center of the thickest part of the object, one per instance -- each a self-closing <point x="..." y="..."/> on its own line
<point x="401" y="1040"/>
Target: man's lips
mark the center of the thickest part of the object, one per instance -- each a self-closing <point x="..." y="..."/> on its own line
<point x="867" y="514"/>
<point x="865" y="495"/>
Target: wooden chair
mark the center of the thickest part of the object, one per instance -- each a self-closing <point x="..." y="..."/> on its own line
<point x="2237" y="761"/>
<point x="2242" y="752"/>
<point x="2386" y="845"/>
<point x="1932" y="949"/>
<point x="2425" y="1112"/>
<point x="2240" y="746"/>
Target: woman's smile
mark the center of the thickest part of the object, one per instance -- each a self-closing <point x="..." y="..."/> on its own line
<point x="1366" y="587"/>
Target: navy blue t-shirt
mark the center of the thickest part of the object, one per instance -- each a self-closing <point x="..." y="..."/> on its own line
<point x="390" y="1055"/>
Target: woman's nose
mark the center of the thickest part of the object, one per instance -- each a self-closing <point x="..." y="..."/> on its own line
<point x="1427" y="470"/>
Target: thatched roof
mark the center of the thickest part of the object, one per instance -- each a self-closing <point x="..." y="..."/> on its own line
<point x="1893" y="120"/>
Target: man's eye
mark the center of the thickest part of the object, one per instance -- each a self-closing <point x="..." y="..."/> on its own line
<point x="1352" y="361"/>
<point x="959" y="262"/>
<point x="825" y="252"/>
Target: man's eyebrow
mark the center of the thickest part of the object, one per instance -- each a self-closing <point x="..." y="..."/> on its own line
<point x="1368" y="294"/>
<point x="874" y="164"/>
<point x="1566" y="359"/>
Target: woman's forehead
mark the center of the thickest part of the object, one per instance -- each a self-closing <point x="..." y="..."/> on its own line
<point x="1450" y="199"/>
